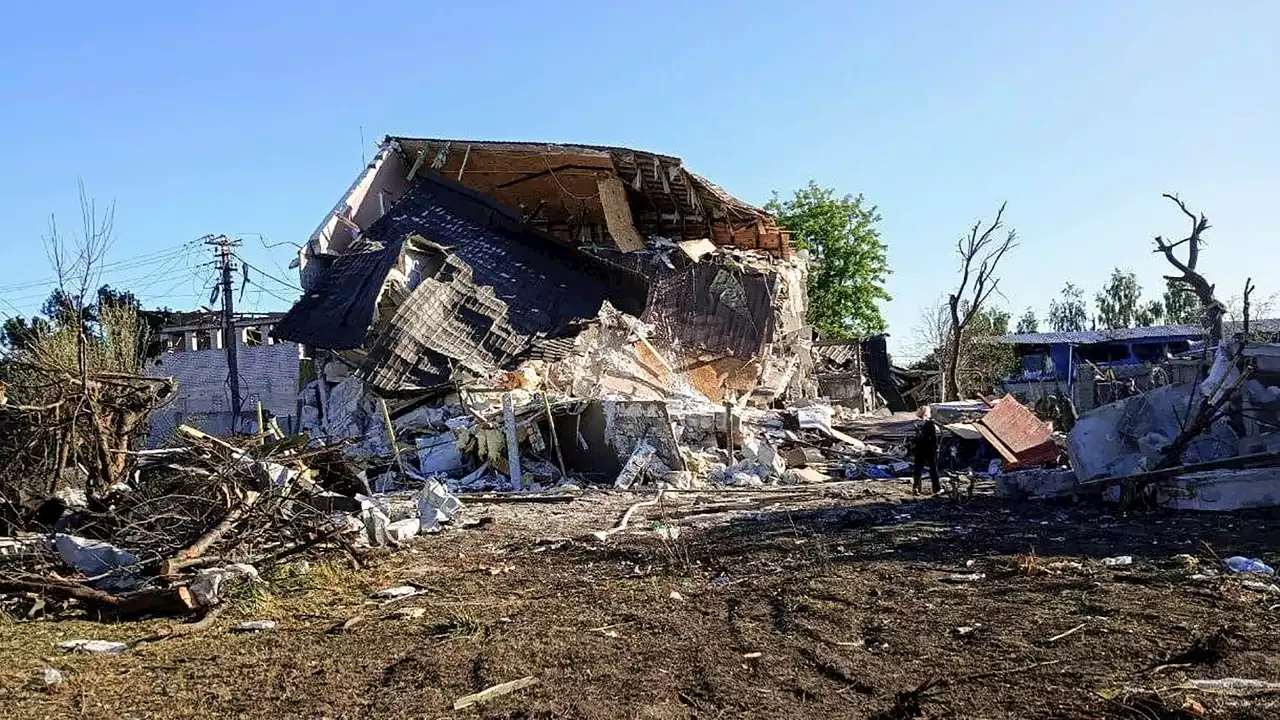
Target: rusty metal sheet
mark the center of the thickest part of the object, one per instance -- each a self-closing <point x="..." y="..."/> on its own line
<point x="1017" y="434"/>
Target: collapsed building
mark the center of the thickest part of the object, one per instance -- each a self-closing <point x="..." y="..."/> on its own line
<point x="581" y="271"/>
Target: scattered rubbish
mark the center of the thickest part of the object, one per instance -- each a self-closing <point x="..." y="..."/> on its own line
<point x="392" y="593"/>
<point x="1238" y="564"/>
<point x="1260" y="586"/>
<point x="668" y="532"/>
<point x="675" y="595"/>
<point x="964" y="630"/>
<point x="255" y="626"/>
<point x="51" y="676"/>
<point x="964" y="577"/>
<point x="93" y="646"/>
<point x="1118" y="561"/>
<point x="493" y="692"/>
<point x="752" y="655"/>
<point x="208" y="585"/>
<point x="1236" y="687"/>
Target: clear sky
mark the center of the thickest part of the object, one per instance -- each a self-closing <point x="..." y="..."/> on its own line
<point x="245" y="118"/>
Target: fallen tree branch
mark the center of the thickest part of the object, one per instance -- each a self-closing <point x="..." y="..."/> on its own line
<point x="603" y="535"/>
<point x="200" y="625"/>
<point x="157" y="600"/>
<point x="204" y="542"/>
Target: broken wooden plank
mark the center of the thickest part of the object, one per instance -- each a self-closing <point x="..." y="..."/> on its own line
<point x="488" y="694"/>
<point x="617" y="215"/>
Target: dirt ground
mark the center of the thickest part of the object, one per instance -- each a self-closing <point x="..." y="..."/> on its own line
<point x="848" y="600"/>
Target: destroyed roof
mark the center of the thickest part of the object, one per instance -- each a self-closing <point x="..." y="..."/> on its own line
<point x="1091" y="337"/>
<point x="1153" y="332"/>
<point x="490" y="285"/>
<point x="568" y="188"/>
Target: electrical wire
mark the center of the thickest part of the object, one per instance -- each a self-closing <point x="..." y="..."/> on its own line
<point x="269" y="276"/>
<point x="115" y="266"/>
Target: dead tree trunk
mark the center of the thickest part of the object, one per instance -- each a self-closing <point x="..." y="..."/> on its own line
<point x="1211" y="309"/>
<point x="983" y="247"/>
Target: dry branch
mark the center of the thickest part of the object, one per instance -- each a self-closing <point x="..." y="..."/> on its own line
<point x="981" y="246"/>
<point x="1204" y="290"/>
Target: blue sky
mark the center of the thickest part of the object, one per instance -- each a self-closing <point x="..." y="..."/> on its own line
<point x="245" y="118"/>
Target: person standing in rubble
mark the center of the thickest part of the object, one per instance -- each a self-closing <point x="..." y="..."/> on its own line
<point x="926" y="452"/>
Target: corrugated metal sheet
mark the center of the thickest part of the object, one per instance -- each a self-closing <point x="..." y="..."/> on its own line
<point x="1091" y="337"/>
<point x="1017" y="434"/>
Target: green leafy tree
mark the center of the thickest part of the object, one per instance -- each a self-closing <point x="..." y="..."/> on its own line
<point x="59" y="312"/>
<point x="1181" y="306"/>
<point x="849" y="262"/>
<point x="1119" y="300"/>
<point x="1069" y="314"/>
<point x="1028" y="323"/>
<point x="1149" y="313"/>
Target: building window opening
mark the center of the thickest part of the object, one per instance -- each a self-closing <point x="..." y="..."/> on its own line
<point x="253" y="336"/>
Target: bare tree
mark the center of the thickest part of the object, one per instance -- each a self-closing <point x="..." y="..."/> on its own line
<point x="1212" y="309"/>
<point x="977" y="284"/>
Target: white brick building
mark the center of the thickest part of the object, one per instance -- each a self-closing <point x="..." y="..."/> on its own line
<point x="195" y="356"/>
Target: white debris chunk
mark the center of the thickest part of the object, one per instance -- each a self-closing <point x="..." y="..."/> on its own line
<point x="398" y="591"/>
<point x="435" y="499"/>
<point x="93" y="646"/>
<point x="964" y="577"/>
<point x="255" y="626"/>
<point x="402" y="531"/>
<point x="211" y="583"/>
<point x="52" y="676"/>
<point x="641" y="458"/>
<point x="1118" y="561"/>
<point x="91" y="557"/>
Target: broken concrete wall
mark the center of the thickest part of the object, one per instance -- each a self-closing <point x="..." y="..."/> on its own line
<point x="381" y="183"/>
<point x="1222" y="490"/>
<point x="1129" y="436"/>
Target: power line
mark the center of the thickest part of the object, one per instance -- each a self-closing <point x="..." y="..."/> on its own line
<point x="116" y="266"/>
<point x="259" y="270"/>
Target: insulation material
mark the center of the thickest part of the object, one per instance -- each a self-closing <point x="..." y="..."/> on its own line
<point x="617" y="215"/>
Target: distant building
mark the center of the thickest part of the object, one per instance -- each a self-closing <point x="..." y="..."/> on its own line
<point x="1096" y="367"/>
<point x="195" y="356"/>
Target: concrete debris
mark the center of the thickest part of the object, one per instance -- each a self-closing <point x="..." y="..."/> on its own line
<point x="51" y="676"/>
<point x="1222" y="490"/>
<point x="250" y="626"/>
<point x="643" y="457"/>
<point x="1037" y="484"/>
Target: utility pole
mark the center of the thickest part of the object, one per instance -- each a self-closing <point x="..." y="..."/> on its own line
<point x="223" y="245"/>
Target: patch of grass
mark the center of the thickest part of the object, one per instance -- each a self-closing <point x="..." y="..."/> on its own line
<point x="459" y="625"/>
<point x="289" y="590"/>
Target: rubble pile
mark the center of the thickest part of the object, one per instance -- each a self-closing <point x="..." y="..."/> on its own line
<point x="205" y="517"/>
